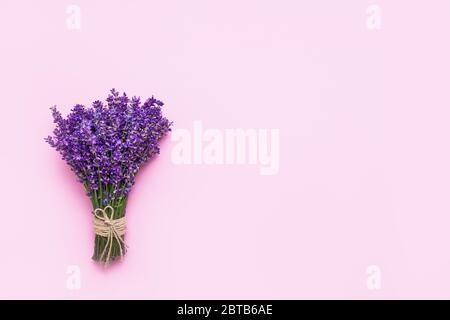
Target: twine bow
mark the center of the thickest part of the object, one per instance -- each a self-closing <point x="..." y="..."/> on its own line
<point x="111" y="229"/>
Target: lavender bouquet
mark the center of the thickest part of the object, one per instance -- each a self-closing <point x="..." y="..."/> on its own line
<point x="105" y="146"/>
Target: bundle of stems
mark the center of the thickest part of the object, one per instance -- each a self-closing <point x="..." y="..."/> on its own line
<point x="119" y="205"/>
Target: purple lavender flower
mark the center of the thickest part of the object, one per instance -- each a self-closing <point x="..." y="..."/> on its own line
<point x="106" y="145"/>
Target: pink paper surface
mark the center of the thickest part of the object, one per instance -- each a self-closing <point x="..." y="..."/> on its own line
<point x="363" y="179"/>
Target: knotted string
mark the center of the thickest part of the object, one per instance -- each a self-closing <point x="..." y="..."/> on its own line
<point x="111" y="229"/>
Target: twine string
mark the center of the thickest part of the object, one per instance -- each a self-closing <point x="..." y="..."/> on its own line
<point x="109" y="228"/>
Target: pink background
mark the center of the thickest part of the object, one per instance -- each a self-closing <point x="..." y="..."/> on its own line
<point x="364" y="148"/>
